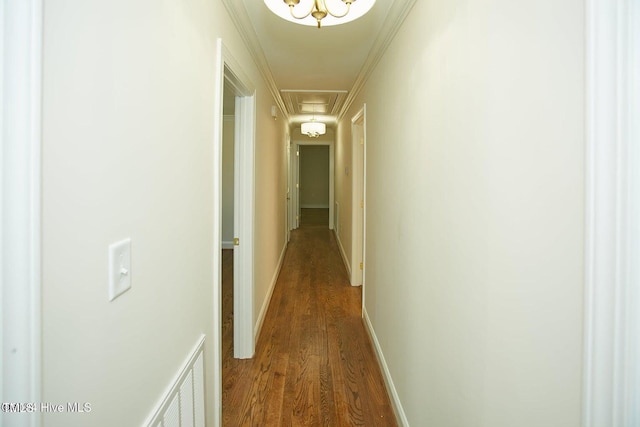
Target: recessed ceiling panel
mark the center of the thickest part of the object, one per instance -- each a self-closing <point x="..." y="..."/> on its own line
<point x="320" y="102"/>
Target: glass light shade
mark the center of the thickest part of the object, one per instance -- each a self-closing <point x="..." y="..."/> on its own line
<point x="358" y="8"/>
<point x="313" y="129"/>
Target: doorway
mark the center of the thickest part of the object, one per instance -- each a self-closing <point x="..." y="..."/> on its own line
<point x="228" y="204"/>
<point x="239" y="198"/>
<point x="313" y="199"/>
<point x="314" y="185"/>
<point x="230" y="78"/>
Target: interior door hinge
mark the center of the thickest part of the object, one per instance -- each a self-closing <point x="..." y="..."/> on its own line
<point x="362" y="203"/>
<point x="236" y="241"/>
<point x="361" y="266"/>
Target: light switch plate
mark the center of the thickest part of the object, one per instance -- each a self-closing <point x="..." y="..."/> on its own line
<point x="119" y="268"/>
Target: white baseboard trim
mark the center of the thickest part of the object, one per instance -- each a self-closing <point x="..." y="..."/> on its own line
<point x="401" y="417"/>
<point x="267" y="300"/>
<point x="344" y="255"/>
<point x="227" y="245"/>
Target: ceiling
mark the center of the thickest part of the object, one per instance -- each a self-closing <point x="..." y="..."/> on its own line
<point x="311" y="71"/>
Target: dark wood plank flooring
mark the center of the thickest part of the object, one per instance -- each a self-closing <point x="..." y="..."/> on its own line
<point x="314" y="364"/>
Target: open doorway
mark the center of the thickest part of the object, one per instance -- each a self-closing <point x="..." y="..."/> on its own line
<point x="231" y="79"/>
<point x="314" y="185"/>
<point x="236" y="203"/>
<point x="228" y="209"/>
<point x="308" y="185"/>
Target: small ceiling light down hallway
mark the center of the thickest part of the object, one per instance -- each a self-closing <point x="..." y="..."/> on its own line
<point x="319" y="12"/>
<point x="313" y="129"/>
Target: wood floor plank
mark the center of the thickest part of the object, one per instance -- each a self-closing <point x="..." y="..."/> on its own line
<point x="314" y="364"/>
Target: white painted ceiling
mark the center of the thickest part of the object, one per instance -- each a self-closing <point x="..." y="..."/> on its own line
<point x="302" y="57"/>
<point x="313" y="71"/>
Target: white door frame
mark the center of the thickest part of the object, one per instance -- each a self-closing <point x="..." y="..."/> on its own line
<point x="288" y="207"/>
<point x="20" y="207"/>
<point x="295" y="157"/>
<point x="611" y="385"/>
<point x="243" y="220"/>
<point x="244" y="341"/>
<point x="358" y="196"/>
<point x="294" y="213"/>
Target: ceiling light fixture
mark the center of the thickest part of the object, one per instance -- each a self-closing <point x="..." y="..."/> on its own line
<point x="320" y="12"/>
<point x="313" y="129"/>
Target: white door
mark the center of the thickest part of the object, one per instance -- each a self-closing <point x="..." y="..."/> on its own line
<point x="296" y="189"/>
<point x="288" y="202"/>
<point x="243" y="324"/>
<point x="358" y="199"/>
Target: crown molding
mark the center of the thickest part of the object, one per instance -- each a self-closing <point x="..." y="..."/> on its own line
<point x="395" y="17"/>
<point x="242" y="22"/>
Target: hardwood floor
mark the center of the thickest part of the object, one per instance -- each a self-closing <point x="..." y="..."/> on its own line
<point x="314" y="363"/>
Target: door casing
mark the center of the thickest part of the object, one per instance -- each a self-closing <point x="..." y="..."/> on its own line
<point x="20" y="207"/>
<point x="359" y="147"/>
<point x="229" y="70"/>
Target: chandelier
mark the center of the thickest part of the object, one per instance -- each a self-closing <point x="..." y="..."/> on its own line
<point x="314" y="129"/>
<point x="320" y="12"/>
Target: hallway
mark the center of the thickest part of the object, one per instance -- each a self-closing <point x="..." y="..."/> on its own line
<point x="314" y="364"/>
<point x="492" y="150"/>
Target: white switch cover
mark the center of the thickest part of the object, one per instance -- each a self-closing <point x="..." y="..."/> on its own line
<point x="119" y="268"/>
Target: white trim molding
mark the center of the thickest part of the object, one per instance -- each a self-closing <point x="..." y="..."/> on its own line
<point x="267" y="300"/>
<point x="401" y="417"/>
<point x="611" y="394"/>
<point x="242" y="22"/>
<point x="20" y="209"/>
<point x="396" y="15"/>
<point x="345" y="260"/>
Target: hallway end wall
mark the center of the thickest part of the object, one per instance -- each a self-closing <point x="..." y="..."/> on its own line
<point x="475" y="211"/>
<point x="314" y="176"/>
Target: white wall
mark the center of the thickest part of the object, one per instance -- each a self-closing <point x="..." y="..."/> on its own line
<point x="474" y="268"/>
<point x="127" y="152"/>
